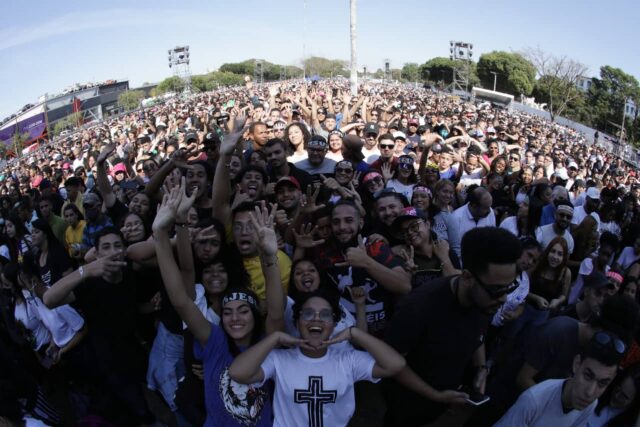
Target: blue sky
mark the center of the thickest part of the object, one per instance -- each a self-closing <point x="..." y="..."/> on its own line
<point x="46" y="46"/>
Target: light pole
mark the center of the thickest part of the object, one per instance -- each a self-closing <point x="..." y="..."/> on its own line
<point x="354" y="50"/>
<point x="495" y="79"/>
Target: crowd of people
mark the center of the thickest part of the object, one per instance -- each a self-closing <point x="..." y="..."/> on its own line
<point x="289" y="254"/>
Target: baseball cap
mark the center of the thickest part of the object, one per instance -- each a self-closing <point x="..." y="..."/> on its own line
<point x="287" y="180"/>
<point x="191" y="136"/>
<point x="413" y="122"/>
<point x="317" y="141"/>
<point x="91" y="199"/>
<point x="400" y="135"/>
<point x="491" y="129"/>
<point x="593" y="193"/>
<point x="573" y="165"/>
<point x="119" y="168"/>
<point x="562" y="174"/>
<point x="407" y="213"/>
<point x="596" y="280"/>
<point x="371" y="128"/>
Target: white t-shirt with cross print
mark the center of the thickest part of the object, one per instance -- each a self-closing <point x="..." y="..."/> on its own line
<point x="316" y="392"/>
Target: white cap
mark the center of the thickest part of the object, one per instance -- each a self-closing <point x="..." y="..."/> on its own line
<point x="593" y="193"/>
<point x="573" y="165"/>
<point x="400" y="135"/>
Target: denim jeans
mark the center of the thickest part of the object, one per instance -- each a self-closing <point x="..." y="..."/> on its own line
<point x="166" y="364"/>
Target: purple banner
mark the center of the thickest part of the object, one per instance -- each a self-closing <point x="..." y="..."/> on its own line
<point x="34" y="126"/>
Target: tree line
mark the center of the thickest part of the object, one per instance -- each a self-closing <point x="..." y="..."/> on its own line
<point x="552" y="80"/>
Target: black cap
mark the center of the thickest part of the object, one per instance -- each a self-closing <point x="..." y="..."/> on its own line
<point x="371" y="127"/>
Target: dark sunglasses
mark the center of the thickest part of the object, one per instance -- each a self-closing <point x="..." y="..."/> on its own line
<point x="387" y="146"/>
<point x="607" y="340"/>
<point x="496" y="291"/>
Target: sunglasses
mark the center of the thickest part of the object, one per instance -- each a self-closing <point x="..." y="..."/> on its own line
<point x="324" y="315"/>
<point x="607" y="340"/>
<point x="514" y="159"/>
<point x="376" y="180"/>
<point x="412" y="228"/>
<point x="496" y="291"/>
<point x="387" y="146"/>
<point x="405" y="165"/>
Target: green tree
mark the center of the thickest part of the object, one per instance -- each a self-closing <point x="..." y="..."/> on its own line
<point x="130" y="100"/>
<point x="411" y="72"/>
<point x="516" y="75"/>
<point x="171" y="84"/>
<point x="199" y="83"/>
<point x="243" y="68"/>
<point x="324" y="67"/>
<point x="608" y="95"/>
<point x="438" y="69"/>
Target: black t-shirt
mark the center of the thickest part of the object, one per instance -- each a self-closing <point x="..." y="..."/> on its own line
<point x="552" y="348"/>
<point x="436" y="334"/>
<point x="109" y="310"/>
<point x="117" y="212"/>
<point x="58" y="262"/>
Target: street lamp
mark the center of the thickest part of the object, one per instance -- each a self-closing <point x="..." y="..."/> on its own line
<point x="495" y="79"/>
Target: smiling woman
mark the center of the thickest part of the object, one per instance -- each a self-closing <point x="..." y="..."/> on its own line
<point x="314" y="375"/>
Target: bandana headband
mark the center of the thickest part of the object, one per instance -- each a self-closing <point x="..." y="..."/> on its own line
<point x="240" y="296"/>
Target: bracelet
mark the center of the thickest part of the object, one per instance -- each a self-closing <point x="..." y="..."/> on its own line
<point x="270" y="261"/>
<point x="350" y="333"/>
<point x="81" y="271"/>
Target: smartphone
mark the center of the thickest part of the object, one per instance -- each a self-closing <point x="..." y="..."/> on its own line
<point x="475" y="397"/>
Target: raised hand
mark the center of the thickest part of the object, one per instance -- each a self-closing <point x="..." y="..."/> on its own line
<point x="186" y="202"/>
<point x="358" y="295"/>
<point x="330" y="183"/>
<point x="387" y="173"/>
<point x="343" y="335"/>
<point x="441" y="248"/>
<point x="408" y="257"/>
<point x="304" y="239"/>
<point x="356" y="257"/>
<point x="110" y="264"/>
<point x="308" y="202"/>
<point x="262" y="222"/>
<point x="105" y="152"/>
<point x="166" y="213"/>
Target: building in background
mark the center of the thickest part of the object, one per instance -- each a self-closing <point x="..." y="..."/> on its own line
<point x="89" y="102"/>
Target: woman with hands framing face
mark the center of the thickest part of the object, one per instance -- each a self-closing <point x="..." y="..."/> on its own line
<point x="313" y="378"/>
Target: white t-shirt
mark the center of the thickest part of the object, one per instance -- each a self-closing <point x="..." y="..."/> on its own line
<point x="586" y="268"/>
<point x="297" y="157"/>
<point x="201" y="303"/>
<point x="510" y="224"/>
<point x="545" y="234"/>
<point x="27" y="314"/>
<point x="315" y="391"/>
<point x="405" y="189"/>
<point x="370" y="156"/>
<point x="627" y="256"/>
<point x="514" y="300"/>
<point x="541" y="406"/>
<point x="62" y="322"/>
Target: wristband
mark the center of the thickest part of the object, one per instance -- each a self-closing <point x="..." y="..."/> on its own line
<point x="81" y="271"/>
<point x="268" y="262"/>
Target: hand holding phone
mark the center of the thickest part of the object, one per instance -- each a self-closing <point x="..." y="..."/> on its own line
<point x="475" y="397"/>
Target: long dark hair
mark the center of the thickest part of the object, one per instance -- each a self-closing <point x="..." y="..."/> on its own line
<point x="544" y="259"/>
<point x="630" y="413"/>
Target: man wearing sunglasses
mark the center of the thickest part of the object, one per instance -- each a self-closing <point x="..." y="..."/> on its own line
<point x="570" y="402"/>
<point x="560" y="227"/>
<point x="440" y="328"/>
<point x="387" y="145"/>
